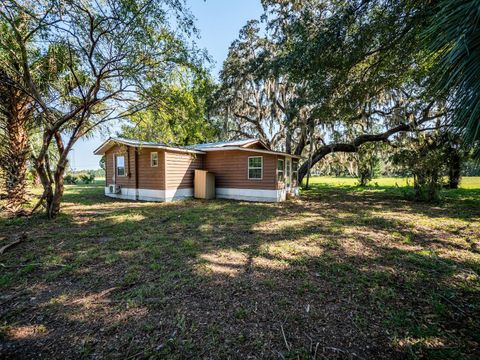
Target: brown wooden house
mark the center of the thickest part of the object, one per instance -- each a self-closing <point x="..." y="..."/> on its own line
<point x="244" y="170"/>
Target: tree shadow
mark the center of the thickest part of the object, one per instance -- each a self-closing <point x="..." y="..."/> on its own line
<point x="332" y="275"/>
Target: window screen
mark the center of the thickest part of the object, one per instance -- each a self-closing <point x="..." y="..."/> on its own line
<point x="120" y="165"/>
<point x="255" y="167"/>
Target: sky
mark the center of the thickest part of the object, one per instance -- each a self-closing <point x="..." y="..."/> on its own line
<point x="219" y="22"/>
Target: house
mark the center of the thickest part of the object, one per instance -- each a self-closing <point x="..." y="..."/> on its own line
<point x="244" y="170"/>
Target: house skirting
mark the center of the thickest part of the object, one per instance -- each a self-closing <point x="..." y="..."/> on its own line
<point x="221" y="193"/>
<point x="150" y="195"/>
<point x="251" y="194"/>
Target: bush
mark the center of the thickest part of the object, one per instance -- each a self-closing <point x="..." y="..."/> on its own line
<point x="88" y="178"/>
<point x="70" y="179"/>
<point x="425" y="161"/>
<point x="368" y="164"/>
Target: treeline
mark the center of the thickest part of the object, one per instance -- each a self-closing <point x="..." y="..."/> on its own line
<point x="346" y="165"/>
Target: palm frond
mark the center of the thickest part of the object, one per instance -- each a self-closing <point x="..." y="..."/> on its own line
<point x="454" y="35"/>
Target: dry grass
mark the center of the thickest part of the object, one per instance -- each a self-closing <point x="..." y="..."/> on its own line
<point x="340" y="273"/>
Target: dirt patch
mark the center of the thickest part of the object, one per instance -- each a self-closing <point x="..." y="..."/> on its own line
<point x="336" y="274"/>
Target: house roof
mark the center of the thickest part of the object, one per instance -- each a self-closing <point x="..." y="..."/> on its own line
<point x="220" y="144"/>
<point x="107" y="144"/>
<point x="195" y="149"/>
<point x="262" y="151"/>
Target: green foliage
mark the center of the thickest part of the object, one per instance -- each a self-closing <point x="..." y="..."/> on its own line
<point x="103" y="62"/>
<point x="101" y="163"/>
<point x="70" y="179"/>
<point x="326" y="76"/>
<point x="452" y="36"/>
<point x="353" y="56"/>
<point x="180" y="113"/>
<point x="471" y="168"/>
<point x="88" y="178"/>
<point x="424" y="158"/>
<point x="368" y="164"/>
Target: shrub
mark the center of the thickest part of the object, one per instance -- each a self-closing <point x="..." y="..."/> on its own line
<point x="368" y="164"/>
<point x="70" y="179"/>
<point x="88" y="178"/>
<point x="425" y="161"/>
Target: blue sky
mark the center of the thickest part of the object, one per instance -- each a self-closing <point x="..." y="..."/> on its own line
<point x="219" y="22"/>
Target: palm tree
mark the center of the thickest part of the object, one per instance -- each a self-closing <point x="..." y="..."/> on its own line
<point x="454" y="36"/>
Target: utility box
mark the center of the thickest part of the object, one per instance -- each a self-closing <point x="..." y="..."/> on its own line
<point x="204" y="185"/>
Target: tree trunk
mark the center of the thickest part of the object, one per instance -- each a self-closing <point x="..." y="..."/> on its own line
<point x="16" y="109"/>
<point x="454" y="170"/>
<point x="288" y="141"/>
<point x="53" y="187"/>
<point x="53" y="205"/>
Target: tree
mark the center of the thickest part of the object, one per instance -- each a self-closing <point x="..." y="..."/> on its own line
<point x="356" y="69"/>
<point x="452" y="36"/>
<point x="368" y="164"/>
<point x="16" y="108"/>
<point x="424" y="159"/>
<point x="180" y="114"/>
<point x="455" y="153"/>
<point x="15" y="115"/>
<point x="255" y="101"/>
<point x="113" y="52"/>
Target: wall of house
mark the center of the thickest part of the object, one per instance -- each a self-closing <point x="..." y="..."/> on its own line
<point x="231" y="169"/>
<point x="173" y="178"/>
<point x="151" y="177"/>
<point x="129" y="179"/>
<point x="180" y="169"/>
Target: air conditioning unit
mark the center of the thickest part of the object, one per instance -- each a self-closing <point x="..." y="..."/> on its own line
<point x="114" y="189"/>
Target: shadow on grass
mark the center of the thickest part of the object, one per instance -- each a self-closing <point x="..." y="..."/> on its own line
<point x="337" y="273"/>
<point x="458" y="203"/>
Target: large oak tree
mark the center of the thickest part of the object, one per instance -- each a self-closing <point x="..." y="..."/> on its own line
<point x="358" y="65"/>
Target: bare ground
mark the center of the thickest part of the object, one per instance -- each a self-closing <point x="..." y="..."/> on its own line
<point x="339" y="273"/>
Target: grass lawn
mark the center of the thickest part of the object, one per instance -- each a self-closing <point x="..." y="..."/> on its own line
<point x="342" y="272"/>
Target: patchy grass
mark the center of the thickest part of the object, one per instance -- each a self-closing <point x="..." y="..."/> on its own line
<point x="467" y="182"/>
<point x="342" y="272"/>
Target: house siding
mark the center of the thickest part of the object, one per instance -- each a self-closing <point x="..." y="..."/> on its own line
<point x="151" y="177"/>
<point x="129" y="179"/>
<point x="173" y="178"/>
<point x="231" y="169"/>
<point x="180" y="169"/>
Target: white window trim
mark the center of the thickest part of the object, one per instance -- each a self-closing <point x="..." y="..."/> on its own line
<point x="288" y="172"/>
<point x="124" y="165"/>
<point x="151" y="159"/>
<point x="295" y="172"/>
<point x="282" y="171"/>
<point x="249" y="168"/>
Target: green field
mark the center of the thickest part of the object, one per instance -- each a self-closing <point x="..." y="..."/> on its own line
<point x="466" y="183"/>
<point x="341" y="272"/>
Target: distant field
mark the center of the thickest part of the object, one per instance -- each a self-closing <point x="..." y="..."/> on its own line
<point x="472" y="182"/>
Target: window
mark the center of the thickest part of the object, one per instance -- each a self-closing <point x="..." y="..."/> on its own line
<point x="280" y="169"/>
<point x="295" y="171"/>
<point x="153" y="159"/>
<point x="255" y="167"/>
<point x="120" y="164"/>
